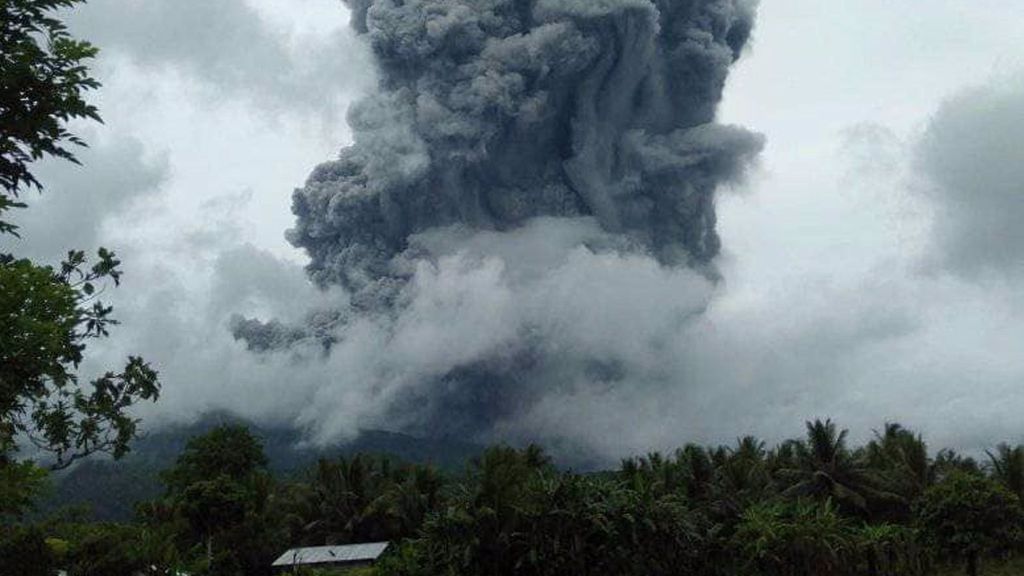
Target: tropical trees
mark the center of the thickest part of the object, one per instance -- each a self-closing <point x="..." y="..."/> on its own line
<point x="802" y="537"/>
<point x="519" y="516"/>
<point x="24" y="551"/>
<point x="359" y="499"/>
<point x="45" y="81"/>
<point x="221" y="489"/>
<point x="723" y="511"/>
<point x="1008" y="468"/>
<point x="742" y="477"/>
<point x="901" y="454"/>
<point x="823" y="467"/>
<point x="51" y="313"/>
<point x="900" y="459"/>
<point x="415" y="493"/>
<point x="968" y="515"/>
<point x="947" y="462"/>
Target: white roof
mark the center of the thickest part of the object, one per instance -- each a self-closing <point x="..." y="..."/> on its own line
<point x="332" y="554"/>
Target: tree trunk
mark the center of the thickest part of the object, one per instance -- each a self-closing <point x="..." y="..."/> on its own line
<point x="209" y="549"/>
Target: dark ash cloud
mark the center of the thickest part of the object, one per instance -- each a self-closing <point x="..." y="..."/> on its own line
<point x="527" y="211"/>
<point x="491" y="113"/>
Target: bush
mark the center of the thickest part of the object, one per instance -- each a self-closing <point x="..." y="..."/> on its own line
<point x="967" y="516"/>
<point x="806" y="537"/>
<point x="24" y="551"/>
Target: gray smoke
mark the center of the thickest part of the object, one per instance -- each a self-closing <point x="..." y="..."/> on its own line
<point x="971" y="159"/>
<point x="523" y="173"/>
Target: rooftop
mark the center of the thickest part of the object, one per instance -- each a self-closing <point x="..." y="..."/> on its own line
<point x="349" y="553"/>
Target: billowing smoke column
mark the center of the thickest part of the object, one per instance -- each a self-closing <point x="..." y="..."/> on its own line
<point x="517" y="152"/>
<point x="492" y="112"/>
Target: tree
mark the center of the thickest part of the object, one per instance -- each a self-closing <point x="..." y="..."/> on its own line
<point x="825" y="468"/>
<point x="901" y="459"/>
<point x="220" y="486"/>
<point x="19" y="484"/>
<point x="227" y="450"/>
<point x="50" y="314"/>
<point x="802" y="537"/>
<point x="44" y="84"/>
<point x="337" y="506"/>
<point x="968" y="516"/>
<point x="741" y="477"/>
<point x="1008" y="467"/>
<point x="24" y="551"/>
<point x="948" y="462"/>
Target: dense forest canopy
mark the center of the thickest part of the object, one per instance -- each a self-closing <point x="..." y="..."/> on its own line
<point x="808" y="506"/>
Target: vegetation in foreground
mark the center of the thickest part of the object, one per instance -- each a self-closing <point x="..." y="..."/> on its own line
<point x="812" y="506"/>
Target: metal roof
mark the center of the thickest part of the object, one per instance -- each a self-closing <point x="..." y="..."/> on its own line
<point x="332" y="554"/>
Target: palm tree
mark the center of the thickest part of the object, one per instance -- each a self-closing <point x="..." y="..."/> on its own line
<point x="655" y="475"/>
<point x="948" y="462"/>
<point x="900" y="459"/>
<point x="338" y="504"/>
<point x="1008" y="467"/>
<point x="907" y="454"/>
<point x="698" y="470"/>
<point x="405" y="504"/>
<point x="825" y="468"/>
<point x="741" y="476"/>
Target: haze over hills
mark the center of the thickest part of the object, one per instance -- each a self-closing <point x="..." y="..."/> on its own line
<point x="110" y="490"/>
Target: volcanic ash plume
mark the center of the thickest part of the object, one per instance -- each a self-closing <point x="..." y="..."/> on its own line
<point x="527" y="212"/>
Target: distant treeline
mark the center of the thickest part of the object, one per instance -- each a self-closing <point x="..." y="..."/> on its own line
<point x="108" y="490"/>
<point x="813" y="506"/>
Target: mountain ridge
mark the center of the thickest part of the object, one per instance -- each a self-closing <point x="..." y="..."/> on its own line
<point x="108" y="490"/>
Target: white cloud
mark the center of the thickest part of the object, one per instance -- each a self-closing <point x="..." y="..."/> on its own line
<point x="258" y="52"/>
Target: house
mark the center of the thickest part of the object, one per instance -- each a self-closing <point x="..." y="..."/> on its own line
<point x="345" y="556"/>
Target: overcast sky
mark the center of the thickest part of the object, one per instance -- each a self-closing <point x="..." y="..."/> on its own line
<point x="873" y="265"/>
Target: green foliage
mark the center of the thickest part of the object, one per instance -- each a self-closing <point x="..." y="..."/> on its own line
<point x="823" y="467"/>
<point x="221" y="504"/>
<point x="20" y="484"/>
<point x="50" y="316"/>
<point x="25" y="552"/>
<point x="44" y="84"/>
<point x="948" y="462"/>
<point x="810" y="537"/>
<point x="361" y="499"/>
<point x="724" y="511"/>
<point x="1008" y="468"/>
<point x="892" y="549"/>
<point x="805" y="537"/>
<point x="519" y="516"/>
<point x="105" y="549"/>
<point x="47" y="315"/>
<point x="901" y="460"/>
<point x="231" y="451"/>
<point x="968" y="515"/>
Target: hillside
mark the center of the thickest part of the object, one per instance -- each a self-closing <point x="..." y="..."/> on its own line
<point x="109" y="490"/>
